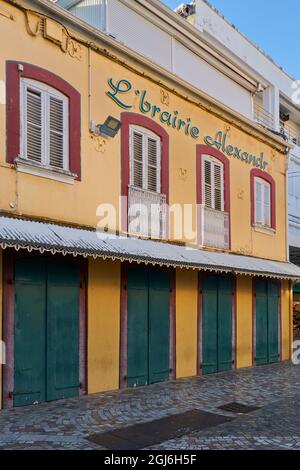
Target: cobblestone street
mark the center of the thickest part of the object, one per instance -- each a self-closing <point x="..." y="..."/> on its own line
<point x="66" y="424"/>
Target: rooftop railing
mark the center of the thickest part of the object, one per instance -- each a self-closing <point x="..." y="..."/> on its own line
<point x="290" y="133"/>
<point x="263" y="117"/>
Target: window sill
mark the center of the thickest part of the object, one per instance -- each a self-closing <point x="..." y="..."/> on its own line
<point x="264" y="229"/>
<point x="24" y="166"/>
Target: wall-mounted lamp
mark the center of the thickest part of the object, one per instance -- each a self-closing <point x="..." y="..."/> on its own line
<point x="110" y="128"/>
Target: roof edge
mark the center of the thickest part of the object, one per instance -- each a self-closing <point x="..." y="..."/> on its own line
<point x="230" y="115"/>
<point x="22" y="233"/>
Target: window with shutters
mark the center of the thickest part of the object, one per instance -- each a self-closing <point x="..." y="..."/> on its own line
<point x="41" y="108"/>
<point x="145" y="159"/>
<point x="213" y="198"/>
<point x="262" y="202"/>
<point x="44" y="126"/>
<point x="213" y="183"/>
<point x="146" y="204"/>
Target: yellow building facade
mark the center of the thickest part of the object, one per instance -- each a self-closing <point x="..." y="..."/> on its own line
<point x="219" y="181"/>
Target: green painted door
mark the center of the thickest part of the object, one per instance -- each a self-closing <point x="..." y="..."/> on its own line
<point x="29" y="337"/>
<point x="209" y="325"/>
<point x="216" y="324"/>
<point x="159" y="326"/>
<point x="62" y="330"/>
<point x="137" y="328"/>
<point x="148" y="327"/>
<point x="224" y="323"/>
<point x="267" y="305"/>
<point x="46" y="339"/>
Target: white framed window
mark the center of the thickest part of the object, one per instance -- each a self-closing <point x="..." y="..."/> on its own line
<point x="213" y="183"/>
<point x="262" y="194"/>
<point x="145" y="159"/>
<point x="44" y="126"/>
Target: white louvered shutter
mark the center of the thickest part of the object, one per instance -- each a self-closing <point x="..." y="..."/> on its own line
<point x="262" y="202"/>
<point x="213" y="184"/>
<point x="45" y="130"/>
<point x="56" y="132"/>
<point x="208" y="184"/>
<point x="153" y="165"/>
<point x="33" y="125"/>
<point x="258" y="202"/>
<point x="218" y="187"/>
<point x="137" y="160"/>
<point x="145" y="160"/>
<point x="267" y="205"/>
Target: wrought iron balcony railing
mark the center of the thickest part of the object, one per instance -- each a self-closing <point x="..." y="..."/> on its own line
<point x="146" y="213"/>
<point x="213" y="228"/>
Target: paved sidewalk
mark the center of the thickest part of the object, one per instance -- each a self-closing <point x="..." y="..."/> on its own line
<point x="66" y="424"/>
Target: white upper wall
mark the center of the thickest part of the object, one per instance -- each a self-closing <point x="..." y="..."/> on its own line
<point x="91" y="11"/>
<point x="217" y="28"/>
<point x="124" y="20"/>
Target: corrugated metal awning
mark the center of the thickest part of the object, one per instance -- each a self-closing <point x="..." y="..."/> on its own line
<point x="48" y="237"/>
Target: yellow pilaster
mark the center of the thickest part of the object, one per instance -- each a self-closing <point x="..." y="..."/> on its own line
<point x="186" y="323"/>
<point x="244" y="321"/>
<point x="103" y="325"/>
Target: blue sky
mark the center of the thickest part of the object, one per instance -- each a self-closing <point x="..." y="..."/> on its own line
<point x="271" y="24"/>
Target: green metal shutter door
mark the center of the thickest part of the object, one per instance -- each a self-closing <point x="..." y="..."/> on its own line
<point x="159" y="326"/>
<point x="137" y="328"/>
<point x="63" y="284"/>
<point x="29" y="335"/>
<point x="273" y="305"/>
<point x="209" y="324"/>
<point x="224" y="323"/>
<point x="261" y="322"/>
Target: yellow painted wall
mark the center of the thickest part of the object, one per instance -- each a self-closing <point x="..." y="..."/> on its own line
<point x="286" y="320"/>
<point x="103" y="325"/>
<point x="101" y="160"/>
<point x="244" y="321"/>
<point x="186" y="322"/>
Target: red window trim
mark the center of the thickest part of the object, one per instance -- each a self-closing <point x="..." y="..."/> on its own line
<point x="202" y="150"/>
<point x="129" y="119"/>
<point x="13" y="76"/>
<point x="256" y="173"/>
